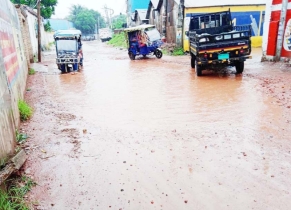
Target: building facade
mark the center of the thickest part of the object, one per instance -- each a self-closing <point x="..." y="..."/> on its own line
<point x="132" y="6"/>
<point x="167" y="16"/>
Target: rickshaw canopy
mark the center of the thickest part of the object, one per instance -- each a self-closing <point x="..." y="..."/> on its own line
<point x="68" y="34"/>
<point x="139" y="28"/>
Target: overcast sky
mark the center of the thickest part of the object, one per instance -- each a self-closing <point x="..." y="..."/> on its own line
<point x="62" y="9"/>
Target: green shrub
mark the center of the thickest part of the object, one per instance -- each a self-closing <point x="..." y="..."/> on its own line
<point x="118" y="40"/>
<point x="178" y="51"/>
<point x="25" y="110"/>
<point x="31" y="71"/>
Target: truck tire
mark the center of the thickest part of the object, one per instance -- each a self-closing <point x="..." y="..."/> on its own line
<point x="239" y="66"/>
<point x="198" y="69"/>
<point x="131" y="56"/>
<point x="192" y="61"/>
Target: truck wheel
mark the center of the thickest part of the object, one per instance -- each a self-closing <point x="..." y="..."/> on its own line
<point x="131" y="56"/>
<point x="192" y="61"/>
<point x="158" y="54"/>
<point x="198" y="69"/>
<point x="239" y="66"/>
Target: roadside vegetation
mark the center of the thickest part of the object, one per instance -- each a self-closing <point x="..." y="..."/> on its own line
<point x="31" y="71"/>
<point x="25" y="110"/>
<point x="176" y="51"/>
<point x="118" y="40"/>
<point x="13" y="198"/>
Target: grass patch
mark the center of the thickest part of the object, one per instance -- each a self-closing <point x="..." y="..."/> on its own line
<point x="25" y="110"/>
<point x="31" y="71"/>
<point x="20" y="137"/>
<point x="13" y="199"/>
<point x="165" y="52"/>
<point x="178" y="51"/>
<point x="118" y="40"/>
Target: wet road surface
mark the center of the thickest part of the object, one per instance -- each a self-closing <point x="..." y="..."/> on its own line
<point x="148" y="134"/>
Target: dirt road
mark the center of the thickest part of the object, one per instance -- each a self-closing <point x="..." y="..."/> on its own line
<point x="148" y="134"/>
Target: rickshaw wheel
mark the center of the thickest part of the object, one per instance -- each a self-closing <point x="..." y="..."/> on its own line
<point x="158" y="54"/>
<point x="131" y="56"/>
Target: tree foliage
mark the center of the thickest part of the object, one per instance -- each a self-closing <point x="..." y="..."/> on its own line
<point x="85" y="22"/>
<point x="85" y="19"/>
<point x="47" y="6"/>
<point x="47" y="26"/>
<point x="118" y="21"/>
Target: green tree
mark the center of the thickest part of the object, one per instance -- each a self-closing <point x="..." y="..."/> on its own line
<point x="85" y="19"/>
<point x="47" y="6"/>
<point x="85" y="22"/>
<point x="118" y="21"/>
<point x="74" y="11"/>
<point x="99" y="18"/>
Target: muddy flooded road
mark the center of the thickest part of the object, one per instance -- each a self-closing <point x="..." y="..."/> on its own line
<point x="149" y="134"/>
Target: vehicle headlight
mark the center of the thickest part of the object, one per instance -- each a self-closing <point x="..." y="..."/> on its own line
<point x="203" y="40"/>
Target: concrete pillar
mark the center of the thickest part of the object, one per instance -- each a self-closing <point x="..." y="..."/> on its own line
<point x="281" y="30"/>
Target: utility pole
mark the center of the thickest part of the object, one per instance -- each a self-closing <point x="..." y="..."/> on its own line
<point x="109" y="12"/>
<point x="98" y="25"/>
<point x="39" y="30"/>
<point x="281" y="30"/>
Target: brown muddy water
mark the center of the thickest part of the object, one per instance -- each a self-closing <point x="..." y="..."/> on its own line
<point x="149" y="134"/>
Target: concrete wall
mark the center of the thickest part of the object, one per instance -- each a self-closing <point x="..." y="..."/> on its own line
<point x="28" y="22"/>
<point x="32" y="25"/>
<point x="13" y="75"/>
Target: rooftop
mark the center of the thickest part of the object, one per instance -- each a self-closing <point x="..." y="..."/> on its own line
<point x="209" y="3"/>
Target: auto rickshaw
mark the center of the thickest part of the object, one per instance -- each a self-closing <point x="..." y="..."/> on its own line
<point x="68" y="48"/>
<point x="143" y="40"/>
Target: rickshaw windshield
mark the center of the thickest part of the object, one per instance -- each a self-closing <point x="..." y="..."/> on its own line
<point x="66" y="45"/>
<point x="153" y="34"/>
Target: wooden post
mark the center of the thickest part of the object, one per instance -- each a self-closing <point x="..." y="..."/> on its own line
<point x="15" y="164"/>
<point x="39" y="30"/>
